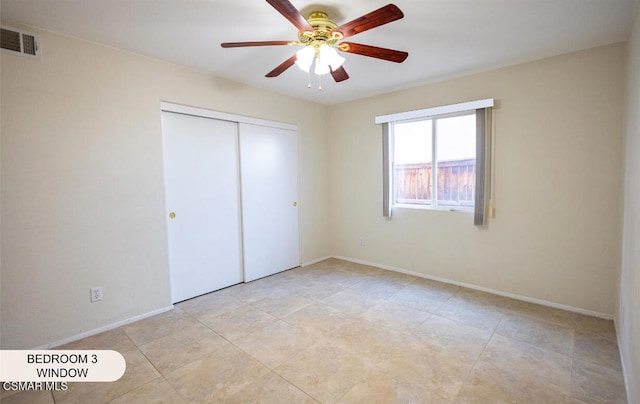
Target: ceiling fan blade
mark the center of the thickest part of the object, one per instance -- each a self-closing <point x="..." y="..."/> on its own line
<point x="255" y="43"/>
<point x="339" y="74"/>
<point x="373" y="51"/>
<point x="376" y="18"/>
<point x="292" y="14"/>
<point x="282" y="67"/>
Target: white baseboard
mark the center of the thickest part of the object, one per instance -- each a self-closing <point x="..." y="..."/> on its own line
<point x="628" y="379"/>
<point x="102" y="329"/>
<point x="483" y="289"/>
<point x="306" y="264"/>
<point x="386" y="267"/>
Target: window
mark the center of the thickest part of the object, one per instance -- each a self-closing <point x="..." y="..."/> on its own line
<point x="434" y="162"/>
<point x="437" y="158"/>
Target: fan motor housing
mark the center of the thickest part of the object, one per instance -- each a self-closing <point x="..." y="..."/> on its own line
<point x="322" y="27"/>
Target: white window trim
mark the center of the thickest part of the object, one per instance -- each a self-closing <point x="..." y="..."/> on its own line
<point x="431" y="112"/>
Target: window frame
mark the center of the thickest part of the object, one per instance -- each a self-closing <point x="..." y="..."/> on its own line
<point x="434" y="162"/>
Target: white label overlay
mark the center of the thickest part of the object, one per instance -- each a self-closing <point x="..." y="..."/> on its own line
<point x="61" y="366"/>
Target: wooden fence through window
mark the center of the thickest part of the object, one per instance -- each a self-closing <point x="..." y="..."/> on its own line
<point x="456" y="183"/>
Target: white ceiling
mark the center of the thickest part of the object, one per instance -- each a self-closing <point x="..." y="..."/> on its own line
<point x="444" y="38"/>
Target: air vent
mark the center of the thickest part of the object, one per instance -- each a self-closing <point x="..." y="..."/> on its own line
<point x="19" y="42"/>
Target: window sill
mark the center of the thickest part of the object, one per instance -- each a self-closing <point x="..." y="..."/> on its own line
<point x="436" y="208"/>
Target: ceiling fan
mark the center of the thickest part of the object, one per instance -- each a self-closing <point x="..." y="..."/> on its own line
<point x="321" y="37"/>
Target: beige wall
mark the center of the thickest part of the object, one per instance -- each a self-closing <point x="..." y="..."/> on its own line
<point x="82" y="188"/>
<point x="82" y="185"/>
<point x="628" y="313"/>
<point x="558" y="143"/>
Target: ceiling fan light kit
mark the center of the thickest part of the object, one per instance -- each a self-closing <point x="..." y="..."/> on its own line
<point x="321" y="38"/>
<point x="326" y="58"/>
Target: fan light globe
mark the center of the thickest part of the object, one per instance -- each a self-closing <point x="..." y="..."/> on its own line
<point x="329" y="57"/>
<point x="304" y="58"/>
<point x="321" y="67"/>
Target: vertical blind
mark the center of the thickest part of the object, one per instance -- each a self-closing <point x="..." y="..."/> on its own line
<point x="483" y="166"/>
<point x="386" y="171"/>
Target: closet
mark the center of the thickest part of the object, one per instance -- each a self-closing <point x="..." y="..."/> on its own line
<point x="231" y="186"/>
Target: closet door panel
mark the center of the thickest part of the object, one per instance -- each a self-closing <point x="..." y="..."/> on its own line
<point x="202" y="200"/>
<point x="269" y="178"/>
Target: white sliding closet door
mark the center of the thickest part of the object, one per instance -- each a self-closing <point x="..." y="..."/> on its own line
<point x="202" y="199"/>
<point x="269" y="176"/>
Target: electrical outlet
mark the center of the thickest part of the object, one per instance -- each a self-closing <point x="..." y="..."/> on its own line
<point x="361" y="241"/>
<point x="96" y="294"/>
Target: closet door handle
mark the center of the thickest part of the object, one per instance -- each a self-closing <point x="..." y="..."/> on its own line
<point x="172" y="215"/>
<point x="295" y="204"/>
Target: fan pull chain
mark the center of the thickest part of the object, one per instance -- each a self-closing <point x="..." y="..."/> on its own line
<point x="309" y="79"/>
<point x="319" y="83"/>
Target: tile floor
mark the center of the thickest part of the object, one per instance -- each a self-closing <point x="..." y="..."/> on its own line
<point x="342" y="332"/>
